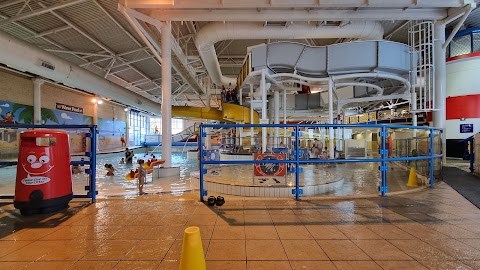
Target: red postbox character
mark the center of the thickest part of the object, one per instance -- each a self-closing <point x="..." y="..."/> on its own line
<point x="44" y="179"/>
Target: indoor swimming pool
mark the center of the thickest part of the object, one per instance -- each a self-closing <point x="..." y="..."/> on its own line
<point x="117" y="185"/>
<point x="358" y="178"/>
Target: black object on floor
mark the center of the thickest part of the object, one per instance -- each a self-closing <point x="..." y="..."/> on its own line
<point x="220" y="201"/>
<point x="464" y="183"/>
<point x="211" y="201"/>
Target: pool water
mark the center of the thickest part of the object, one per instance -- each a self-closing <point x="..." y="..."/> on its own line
<point x="117" y="185"/>
<point x="359" y="178"/>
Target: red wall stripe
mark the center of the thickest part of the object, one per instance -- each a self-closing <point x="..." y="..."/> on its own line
<point x="463" y="106"/>
<point x="463" y="56"/>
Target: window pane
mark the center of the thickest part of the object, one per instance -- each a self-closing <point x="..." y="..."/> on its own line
<point x="476" y="42"/>
<point x="460" y="46"/>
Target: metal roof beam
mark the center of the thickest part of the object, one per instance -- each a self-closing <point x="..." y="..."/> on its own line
<point x="80" y="53"/>
<point x="179" y="59"/>
<point x="52" y="31"/>
<point x="10" y="3"/>
<point x="390" y="35"/>
<point x="92" y="39"/>
<point x="253" y="15"/>
<point x="66" y="50"/>
<point x="132" y="61"/>
<point x="311" y="4"/>
<point x="44" y="9"/>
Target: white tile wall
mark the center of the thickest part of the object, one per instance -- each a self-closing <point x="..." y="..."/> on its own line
<point x="262" y="192"/>
<point x="276" y="192"/>
<point x="236" y="190"/>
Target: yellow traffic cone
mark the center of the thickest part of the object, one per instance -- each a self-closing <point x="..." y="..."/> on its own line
<point x="412" y="178"/>
<point x="192" y="250"/>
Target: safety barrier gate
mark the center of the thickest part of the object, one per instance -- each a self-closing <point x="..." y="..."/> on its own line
<point x="296" y="161"/>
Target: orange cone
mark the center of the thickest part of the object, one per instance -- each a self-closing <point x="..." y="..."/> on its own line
<point x="192" y="250"/>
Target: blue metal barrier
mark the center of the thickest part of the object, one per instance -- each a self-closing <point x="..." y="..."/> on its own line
<point x="296" y="161"/>
<point x="91" y="188"/>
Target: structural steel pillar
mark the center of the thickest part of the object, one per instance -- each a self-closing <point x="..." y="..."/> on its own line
<point x="37" y="101"/>
<point x="276" y="116"/>
<point x="166" y="94"/>
<point x="264" y="110"/>
<point x="252" y="139"/>
<point x="439" y="116"/>
<point x="331" y="134"/>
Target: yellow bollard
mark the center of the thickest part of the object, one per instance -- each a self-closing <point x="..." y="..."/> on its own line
<point x="412" y="178"/>
<point x="192" y="250"/>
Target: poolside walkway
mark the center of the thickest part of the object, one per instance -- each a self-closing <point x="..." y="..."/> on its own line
<point x="464" y="183"/>
<point x="430" y="229"/>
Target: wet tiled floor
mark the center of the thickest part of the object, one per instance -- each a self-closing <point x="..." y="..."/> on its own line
<point x="429" y="229"/>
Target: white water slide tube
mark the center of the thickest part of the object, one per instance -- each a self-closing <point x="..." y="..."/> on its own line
<point x="343" y="62"/>
<point x="218" y="31"/>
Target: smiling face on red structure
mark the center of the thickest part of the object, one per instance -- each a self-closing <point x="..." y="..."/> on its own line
<point x="37" y="163"/>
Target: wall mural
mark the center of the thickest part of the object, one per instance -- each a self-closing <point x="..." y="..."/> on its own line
<point x="110" y="130"/>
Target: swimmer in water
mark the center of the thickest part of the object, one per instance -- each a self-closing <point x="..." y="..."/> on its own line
<point x="110" y="169"/>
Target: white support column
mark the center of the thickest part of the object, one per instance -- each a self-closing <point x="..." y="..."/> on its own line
<point x="240" y="97"/>
<point x="331" y="134"/>
<point x="276" y="103"/>
<point x="37" y="101"/>
<point x="264" y="110"/>
<point x="439" y="116"/>
<point x="285" y="117"/>
<point x="127" y="127"/>
<point x="252" y="141"/>
<point x="414" y="108"/>
<point x="209" y="97"/>
<point x="95" y="114"/>
<point x="208" y="140"/>
<point x="240" y="130"/>
<point x="166" y="94"/>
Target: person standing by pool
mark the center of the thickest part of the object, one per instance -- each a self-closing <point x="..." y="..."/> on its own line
<point x="142" y="173"/>
<point x="128" y="156"/>
<point x="122" y="139"/>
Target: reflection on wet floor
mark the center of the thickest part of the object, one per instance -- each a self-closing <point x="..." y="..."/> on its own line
<point x="432" y="229"/>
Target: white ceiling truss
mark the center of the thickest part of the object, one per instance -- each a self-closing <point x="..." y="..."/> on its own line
<point x="95" y="35"/>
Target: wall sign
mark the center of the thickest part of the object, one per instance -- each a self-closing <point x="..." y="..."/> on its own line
<point x="69" y="108"/>
<point x="466" y="128"/>
<point x="270" y="174"/>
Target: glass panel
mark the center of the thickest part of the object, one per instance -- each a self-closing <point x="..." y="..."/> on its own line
<point x="476" y="42"/>
<point x="460" y="46"/>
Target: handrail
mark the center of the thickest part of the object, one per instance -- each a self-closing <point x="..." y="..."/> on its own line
<point x="295" y="158"/>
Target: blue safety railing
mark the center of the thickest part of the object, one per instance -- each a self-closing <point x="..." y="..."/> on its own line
<point x="296" y="161"/>
<point x="91" y="188"/>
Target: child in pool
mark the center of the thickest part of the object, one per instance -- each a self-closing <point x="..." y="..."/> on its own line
<point x="76" y="169"/>
<point x="110" y="169"/>
<point x="122" y="161"/>
<point x="142" y="173"/>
